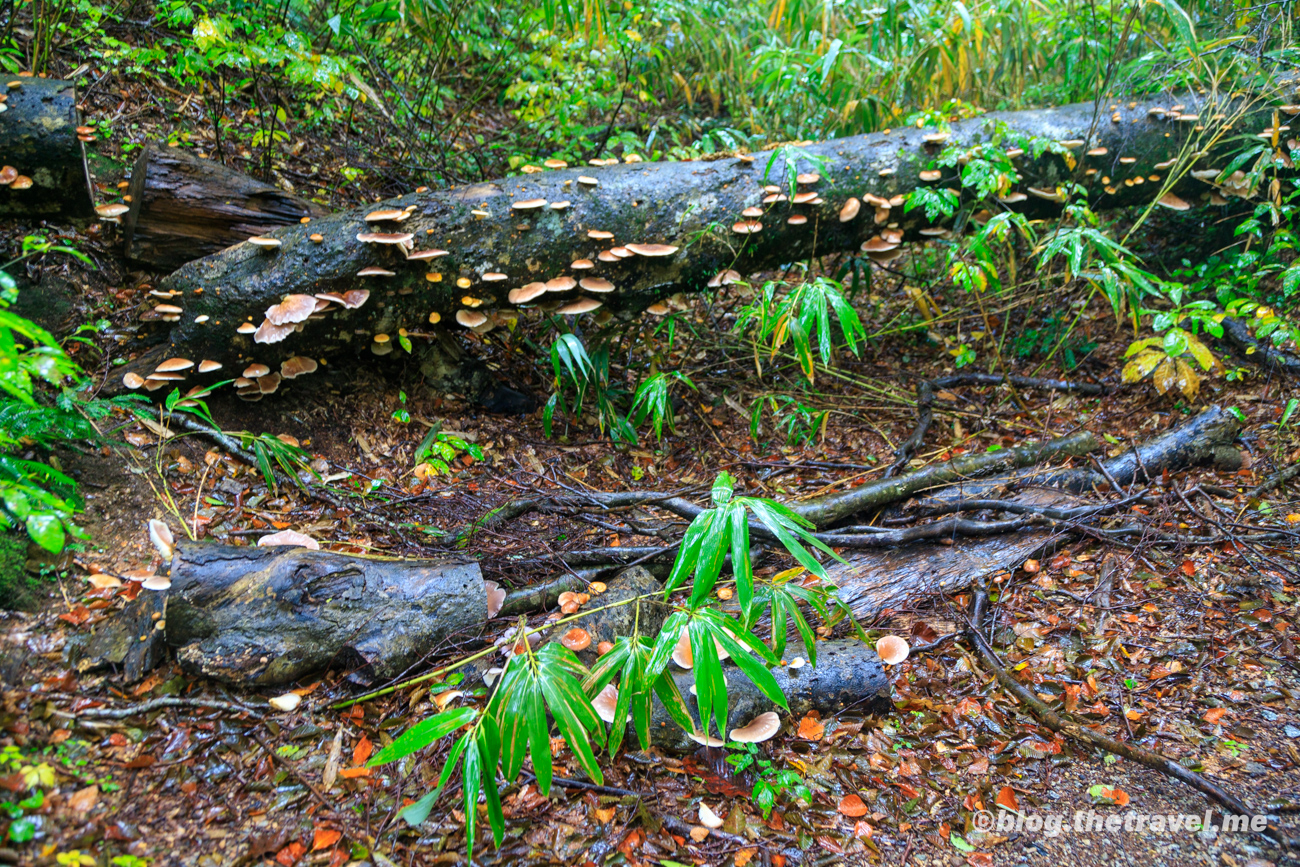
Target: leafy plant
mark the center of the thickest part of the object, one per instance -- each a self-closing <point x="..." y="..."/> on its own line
<point x="539" y="686"/>
<point x="802" y="317"/>
<point x="653" y="400"/>
<point x="439" y="448"/>
<point x="770" y="782"/>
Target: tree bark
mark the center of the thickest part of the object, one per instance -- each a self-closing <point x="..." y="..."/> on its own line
<point x="693" y="208"/>
<point x="38" y="139"/>
<point x="184" y="208"/>
<point x="272" y="615"/>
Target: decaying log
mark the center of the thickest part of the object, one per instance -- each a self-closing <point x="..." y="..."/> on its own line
<point x="44" y="161"/>
<point x="872" y="581"/>
<point x="640" y="232"/>
<point x="184" y="208"/>
<point x="128" y="641"/>
<point x="272" y="615"/>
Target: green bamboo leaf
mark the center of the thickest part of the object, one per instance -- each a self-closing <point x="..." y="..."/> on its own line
<point x="665" y="687"/>
<point x="539" y="736"/>
<point x="576" y="720"/>
<point x="713" y="552"/>
<point x="423" y="733"/>
<point x="753" y="669"/>
<point x="741" y="568"/>
<point x="471" y="781"/>
<point x="666" y="642"/>
<point x="414" y="814"/>
<point x="710" y="684"/>
<point x="487" y="761"/>
<point x="689" y="552"/>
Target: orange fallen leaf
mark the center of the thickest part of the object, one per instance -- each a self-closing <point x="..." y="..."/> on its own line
<point x="605" y="816"/>
<point x="979" y="859"/>
<point x="744" y="856"/>
<point x="852" y="806"/>
<point x="862" y="829"/>
<point x="1214" y="714"/>
<point x="83" y="800"/>
<point x="1007" y="798"/>
<point x="1189" y="568"/>
<point x="361" y="752"/>
<point x="324" y="838"/>
<point x="811" y="727"/>
<point x="350" y="773"/>
<point x="289" y="855"/>
<point x="699" y="833"/>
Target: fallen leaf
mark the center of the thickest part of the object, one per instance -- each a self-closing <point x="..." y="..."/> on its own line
<point x="361" y="752"/>
<point x="698" y="833"/>
<point x="811" y="727"/>
<point x="350" y="773"/>
<point x="83" y="800"/>
<point x="1007" y="798"/>
<point x="744" y="856"/>
<point x="605" y="816"/>
<point x="1214" y="714"/>
<point x="324" y="838"/>
<point x="289" y="855"/>
<point x="331" y="771"/>
<point x="852" y="806"/>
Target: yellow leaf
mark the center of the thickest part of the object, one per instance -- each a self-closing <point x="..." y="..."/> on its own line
<point x="1200" y="352"/>
<point x="1142" y="365"/>
<point x="1187" y="379"/>
<point x="1166" y="376"/>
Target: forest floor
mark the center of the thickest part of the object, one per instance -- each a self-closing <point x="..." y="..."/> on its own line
<point x="1186" y="649"/>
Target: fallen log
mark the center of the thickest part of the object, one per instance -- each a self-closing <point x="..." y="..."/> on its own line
<point x="44" y="170"/>
<point x="271" y="615"/>
<point x="184" y="208"/>
<point x="623" y="237"/>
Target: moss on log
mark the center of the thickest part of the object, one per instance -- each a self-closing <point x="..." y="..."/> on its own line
<point x="42" y="156"/>
<point x="649" y="230"/>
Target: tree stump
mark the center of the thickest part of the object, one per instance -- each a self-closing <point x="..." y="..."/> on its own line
<point x="44" y="162"/>
<point x="184" y="208"/>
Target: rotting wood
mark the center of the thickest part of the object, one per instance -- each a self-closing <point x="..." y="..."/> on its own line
<point x="44" y="170"/>
<point x="679" y="216"/>
<point x="184" y="208"/>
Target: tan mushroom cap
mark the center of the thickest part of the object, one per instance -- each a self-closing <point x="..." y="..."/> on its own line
<point x="586" y="180"/>
<point x="576" y="639"/>
<point x="771" y="198"/>
<point x="563" y="283"/>
<point x="850" y="209"/>
<point x="133" y="380"/>
<point x="606" y="256"/>
<point x="294" y="308"/>
<point x="254" y="371"/>
<point x="559" y="206"/>
<point x="682" y="650"/>
<point x="527" y="292"/>
<point x="580" y="305"/>
<point x="246" y="328"/>
<point x="385" y="237"/>
<point x="316" y="237"/>
<point x="796" y="219"/>
<point x="110" y="211"/>
<point x="394" y="214"/>
<point x="470" y="318"/>
<point x="651" y="249"/>
<point x="496" y="597"/>
<point x="761" y="728"/>
<point x="878" y="245"/>
<point x="596" y="284"/>
<point x="887" y="256"/>
<point x="1169" y="200"/>
<point x="606" y="703"/>
<point x="529" y="204"/>
<point x="724" y="278"/>
<point x="708" y="741"/>
<point x="747" y="227"/>
<point x="931" y="175"/>
<point x="658" y="309"/>
<point x="804" y="198"/>
<point x="208" y="366"/>
<point x="375" y="271"/>
<point x="296" y="366"/>
<point x="936" y="137"/>
<point x="269" y="332"/>
<point x="168" y="308"/>
<point x="892" y="649"/>
<point x="494" y="277"/>
<point x="556" y="164"/>
<point x="1050" y="195"/>
<point x="1098" y="152"/>
<point x="621" y="252"/>
<point x="599" y="234"/>
<point x="582" y="264"/>
<point x="174" y="365"/>
<point x="22" y="182"/>
<point x="264" y="241"/>
<point x="423" y="255"/>
<point x="269" y="383"/>
<point x="752" y="212"/>
<point x="808" y="177"/>
<point x="8" y="174"/>
<point x="1013" y="197"/>
<point x="354" y="298"/>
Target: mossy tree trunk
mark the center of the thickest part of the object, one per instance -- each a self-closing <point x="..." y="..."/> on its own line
<point x="496" y="241"/>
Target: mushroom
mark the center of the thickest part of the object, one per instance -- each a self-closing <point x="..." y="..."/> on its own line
<point x="381" y="349"/>
<point x="599" y="234"/>
<point x="168" y="309"/>
<point x="658" y="309"/>
<point x="287" y="702"/>
<point x="263" y="241"/>
<point x="724" y="278"/>
<point x="878" y="245"/>
<point x="269" y="332"/>
<point x="161" y="537"/>
<point x="496" y="597"/>
<point x="581" y="305"/>
<point x="892" y="649"/>
<point x="747" y="227"/>
<point x="292" y="368"/>
<point x="1072" y="143"/>
<point x="256" y="371"/>
<point x="752" y="212"/>
<point x="759" y="729"/>
<point x="621" y="252"/>
<point x="775" y="197"/>
<point x="936" y="138"/>
<point x="808" y="178"/>
<point x="803" y="198"/>
<point x="529" y="204"/>
<point x="588" y="181"/>
<point x="556" y="164"/>
<point x="156" y="582"/>
<point x="1049" y="195"/>
<point x="582" y="264"/>
<point x="316" y="237"/>
<point x="682" y="651"/>
<point x="375" y="271"/>
<point x="354" y="298"/>
<point x="8" y="175"/>
<point x="383" y="214"/>
<point x="471" y="301"/>
<point x="652" y="249"/>
<point x="526" y="293"/>
<point x="1169" y="200"/>
<point x="174" y="365"/>
<point x="385" y="237"/>
<point x="424" y="255"/>
<point x="133" y="380"/>
<point x="1012" y="197"/>
<point x="796" y="219"/>
<point x="110" y="212"/>
<point x="269" y="383"/>
<point x="606" y="256"/>
<point x="559" y="206"/>
<point x="706" y="740"/>
<point x="200" y="319"/>
<point x="22" y="182"/>
<point x="576" y="639"/>
<point x="562" y="283"/>
<point x="932" y="175"/>
<point x="850" y="209"/>
<point x="606" y="703"/>
<point x="246" y="328"/>
<point x="435" y="317"/>
<point x="470" y="318"/>
<point x="1098" y="152"/>
<point x="288" y="539"/>
<point x="294" y="308"/>
<point x="596" y="284"/>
